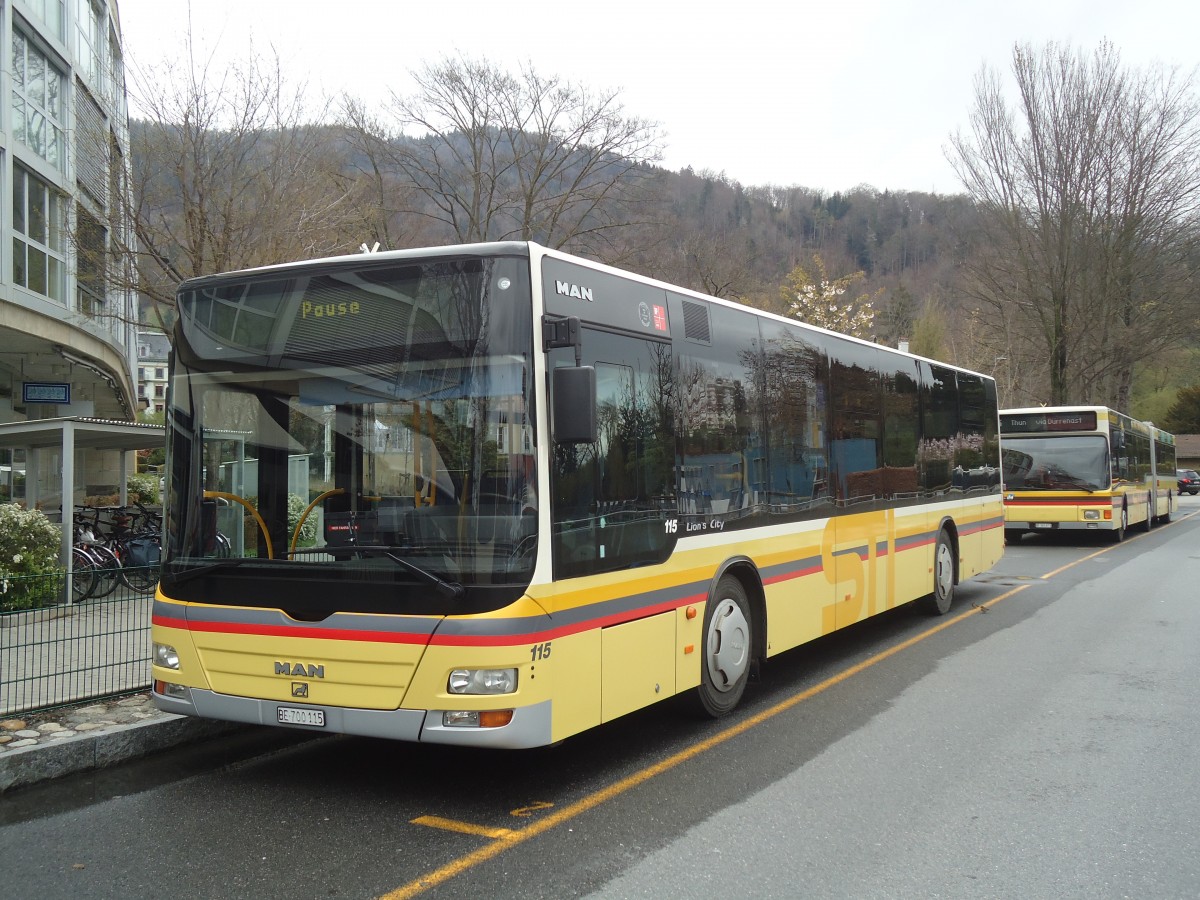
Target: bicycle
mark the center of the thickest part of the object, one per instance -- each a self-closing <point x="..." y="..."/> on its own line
<point x="95" y="568"/>
<point x="136" y="541"/>
<point x="127" y="554"/>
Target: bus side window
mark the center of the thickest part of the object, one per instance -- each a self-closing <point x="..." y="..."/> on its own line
<point x="613" y="497"/>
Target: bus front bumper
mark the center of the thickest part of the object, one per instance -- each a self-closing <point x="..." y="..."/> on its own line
<point x="530" y="725"/>
<point x="1099" y="525"/>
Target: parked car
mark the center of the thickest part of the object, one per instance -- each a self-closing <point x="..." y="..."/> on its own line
<point x="1189" y="481"/>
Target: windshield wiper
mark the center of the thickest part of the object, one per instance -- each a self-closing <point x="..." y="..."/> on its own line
<point x="452" y="590"/>
<point x="1069" y="484"/>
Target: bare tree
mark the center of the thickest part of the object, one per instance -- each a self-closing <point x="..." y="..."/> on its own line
<point x="232" y="171"/>
<point x="1088" y="191"/>
<point x="496" y="156"/>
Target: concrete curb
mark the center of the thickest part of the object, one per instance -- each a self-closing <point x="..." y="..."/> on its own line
<point x="102" y="748"/>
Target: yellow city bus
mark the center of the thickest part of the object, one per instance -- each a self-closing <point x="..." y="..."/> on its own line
<point x="495" y="495"/>
<point x="1084" y="468"/>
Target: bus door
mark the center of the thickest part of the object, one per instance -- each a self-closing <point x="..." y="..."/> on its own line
<point x="614" y="500"/>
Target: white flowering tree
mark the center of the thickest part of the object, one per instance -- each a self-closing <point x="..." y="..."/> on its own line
<point x="29" y="546"/>
<point x="819" y="300"/>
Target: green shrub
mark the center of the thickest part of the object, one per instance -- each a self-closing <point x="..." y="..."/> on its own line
<point x="308" y="534"/>
<point x="143" y="488"/>
<point x="296" y="507"/>
<point x="29" y="548"/>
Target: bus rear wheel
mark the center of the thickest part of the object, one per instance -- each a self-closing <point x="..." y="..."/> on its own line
<point x="728" y="648"/>
<point x="938" y="602"/>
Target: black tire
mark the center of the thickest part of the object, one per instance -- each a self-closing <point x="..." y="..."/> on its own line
<point x="83" y="575"/>
<point x="728" y="638"/>
<point x="945" y="564"/>
<point x="1122" y="526"/>
<point x="1166" y="517"/>
<point x="108" y="571"/>
<point x="141" y="579"/>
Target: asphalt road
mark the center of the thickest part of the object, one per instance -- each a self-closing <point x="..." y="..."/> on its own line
<point x="1040" y="741"/>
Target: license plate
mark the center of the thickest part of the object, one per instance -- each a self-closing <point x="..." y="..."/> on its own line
<point x="287" y="715"/>
<point x="1042" y="525"/>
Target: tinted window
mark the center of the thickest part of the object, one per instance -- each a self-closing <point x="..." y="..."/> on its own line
<point x="975" y="463"/>
<point x="939" y="427"/>
<point x="723" y="468"/>
<point x="795" y="400"/>
<point x="901" y="431"/>
<point x="856" y="444"/>
<point x="1164" y="457"/>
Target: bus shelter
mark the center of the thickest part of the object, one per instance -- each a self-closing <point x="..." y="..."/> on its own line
<point x="53" y="443"/>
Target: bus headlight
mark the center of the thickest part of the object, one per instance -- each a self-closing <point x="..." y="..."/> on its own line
<point x="1091" y="514"/>
<point x="482" y="681"/>
<point x="165" y="656"/>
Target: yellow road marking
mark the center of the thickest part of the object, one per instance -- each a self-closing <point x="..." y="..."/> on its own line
<point x="1104" y="550"/>
<point x="506" y="839"/>
<point x="461" y="827"/>
<point x="525" y="812"/>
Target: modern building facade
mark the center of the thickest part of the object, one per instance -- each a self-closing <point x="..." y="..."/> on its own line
<point x="68" y="323"/>
<point x="153" y="354"/>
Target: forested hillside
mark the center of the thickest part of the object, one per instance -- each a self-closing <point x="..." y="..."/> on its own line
<point x="1068" y="276"/>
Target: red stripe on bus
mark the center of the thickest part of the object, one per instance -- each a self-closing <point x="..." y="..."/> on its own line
<point x="445" y="640"/>
<point x="1051" y="501"/>
<point x="788" y="576"/>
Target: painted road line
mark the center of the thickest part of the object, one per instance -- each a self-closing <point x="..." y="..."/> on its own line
<point x="458" y="866"/>
<point x="461" y="827"/>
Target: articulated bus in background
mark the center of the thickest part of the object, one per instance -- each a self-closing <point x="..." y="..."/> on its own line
<point x="1164" y="473"/>
<point x="494" y="495"/>
<point x="1085" y="468"/>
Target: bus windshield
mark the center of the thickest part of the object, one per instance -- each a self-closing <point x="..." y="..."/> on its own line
<point x="354" y="434"/>
<point x="1058" y="463"/>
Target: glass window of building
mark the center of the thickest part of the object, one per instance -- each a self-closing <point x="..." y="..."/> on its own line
<point x="51" y="13"/>
<point x="38" y="262"/>
<point x="37" y="102"/>
<point x="93" y="45"/>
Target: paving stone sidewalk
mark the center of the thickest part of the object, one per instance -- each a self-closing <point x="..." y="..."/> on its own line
<point x="48" y="727"/>
<point x="51" y="744"/>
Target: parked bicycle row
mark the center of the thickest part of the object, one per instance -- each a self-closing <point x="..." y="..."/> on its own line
<point x="115" y="546"/>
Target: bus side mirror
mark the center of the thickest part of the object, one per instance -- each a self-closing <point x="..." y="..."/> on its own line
<point x="574" y="409"/>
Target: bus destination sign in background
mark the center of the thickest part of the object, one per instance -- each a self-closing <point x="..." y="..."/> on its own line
<point x="1032" y="423"/>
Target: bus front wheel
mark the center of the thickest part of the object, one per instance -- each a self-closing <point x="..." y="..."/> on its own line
<point x="938" y="602"/>
<point x="728" y="648"/>
<point x="1122" y="526"/>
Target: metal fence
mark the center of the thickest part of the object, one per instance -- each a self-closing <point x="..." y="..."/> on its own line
<point x="61" y="654"/>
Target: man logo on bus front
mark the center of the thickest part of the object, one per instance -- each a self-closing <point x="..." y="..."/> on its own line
<point x="299" y="689"/>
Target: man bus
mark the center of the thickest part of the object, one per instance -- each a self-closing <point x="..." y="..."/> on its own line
<point x="1084" y="468"/>
<point x="494" y="495"/>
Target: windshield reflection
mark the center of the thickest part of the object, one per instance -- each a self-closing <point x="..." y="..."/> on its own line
<point x="1056" y="463"/>
<point x="393" y="441"/>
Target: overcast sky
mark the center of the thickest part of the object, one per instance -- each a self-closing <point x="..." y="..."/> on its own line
<point x="827" y="95"/>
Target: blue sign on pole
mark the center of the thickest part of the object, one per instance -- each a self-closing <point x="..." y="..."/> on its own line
<point x="46" y="392"/>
